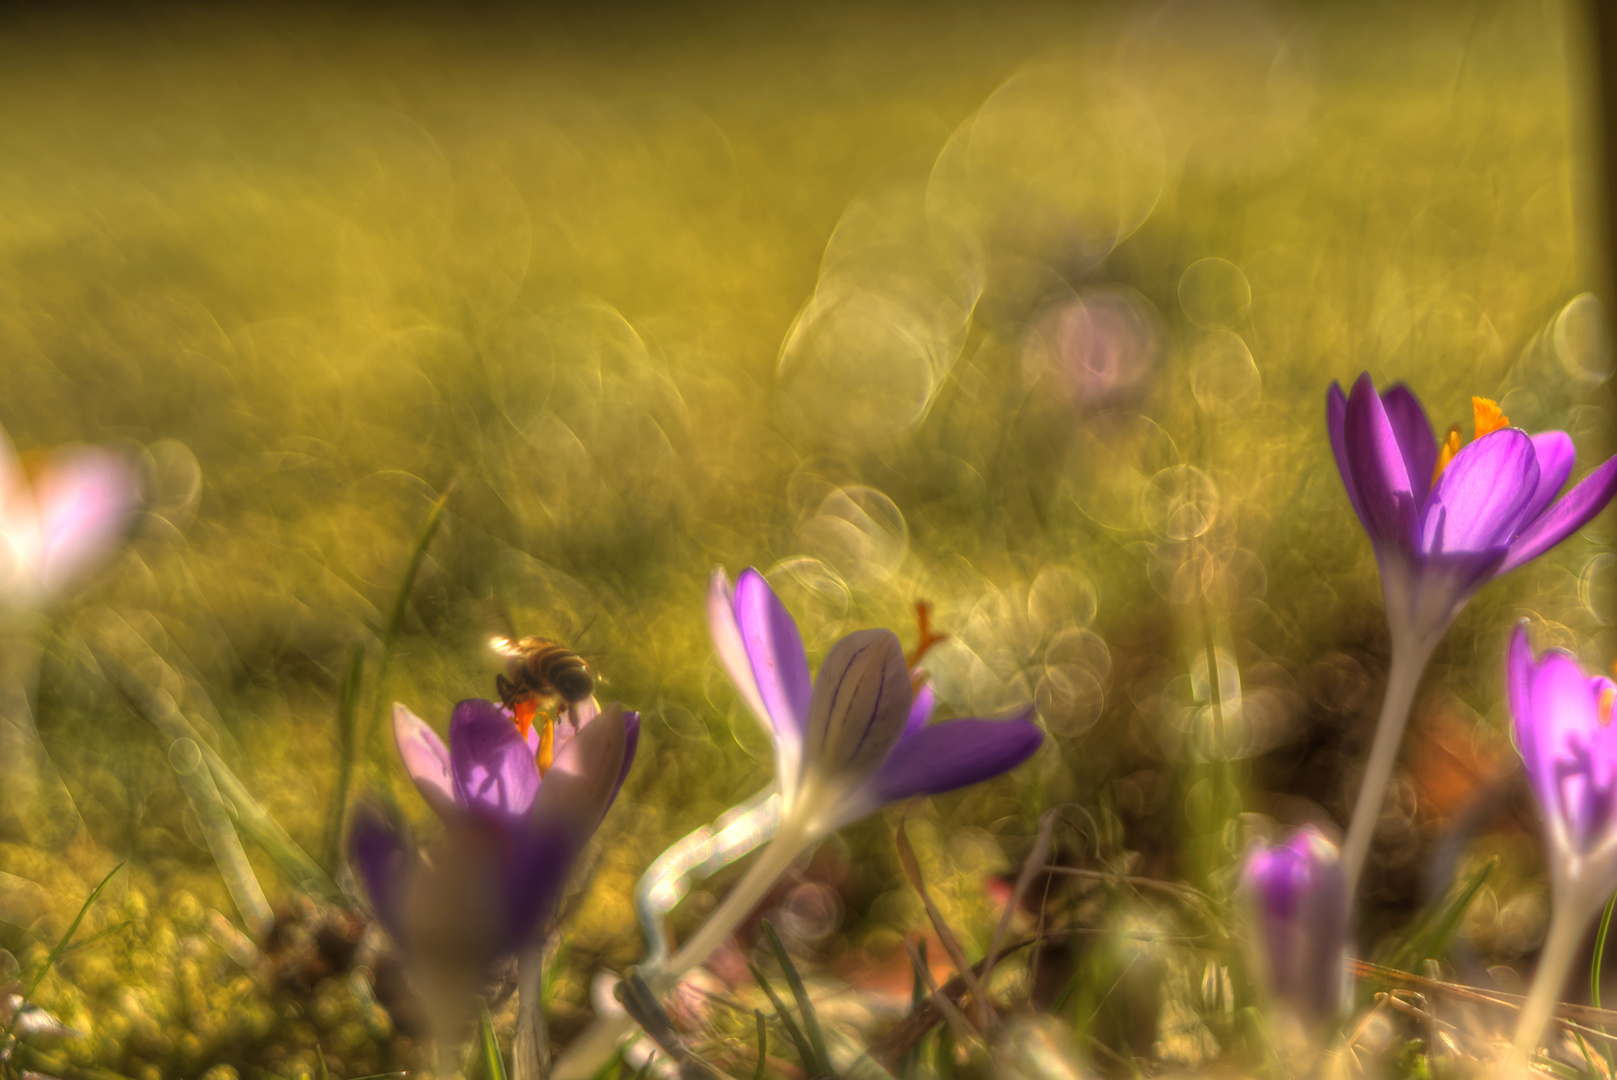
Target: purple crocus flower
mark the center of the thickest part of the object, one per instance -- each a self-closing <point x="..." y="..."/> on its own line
<point x="1563" y="727"/>
<point x="60" y="517"/>
<point x="1296" y="898"/>
<point x="512" y="834"/>
<point x="859" y="735"/>
<point x="1567" y="741"/>
<point x="1447" y="519"/>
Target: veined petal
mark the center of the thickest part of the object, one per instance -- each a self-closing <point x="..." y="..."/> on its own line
<point x="586" y="775"/>
<point x="426" y="759"/>
<point x="1478" y="502"/>
<point x="1566" y="516"/>
<point x="85" y="499"/>
<point x="382" y="854"/>
<point x="1415" y="438"/>
<point x="860" y="706"/>
<point x="1376" y="460"/>
<point x="775" y="653"/>
<point x="1555" y="455"/>
<point x="954" y="754"/>
<point x="494" y="772"/>
<point x="1335" y="419"/>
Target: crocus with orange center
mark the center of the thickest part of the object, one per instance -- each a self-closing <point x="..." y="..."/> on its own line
<point x="1562" y="721"/>
<point x="1444" y="521"/>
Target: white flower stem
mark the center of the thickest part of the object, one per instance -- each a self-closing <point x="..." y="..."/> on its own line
<point x="530" y="1049"/>
<point x="1560" y="948"/>
<point x="587" y="1053"/>
<point x="1403" y="679"/>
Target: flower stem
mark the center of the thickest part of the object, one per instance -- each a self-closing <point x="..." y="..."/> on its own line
<point x="1403" y="679"/>
<point x="530" y="1050"/>
<point x="587" y="1053"/>
<point x="1560" y="947"/>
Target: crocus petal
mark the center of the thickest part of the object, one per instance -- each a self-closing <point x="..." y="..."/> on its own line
<point x="721" y="621"/>
<point x="1568" y="514"/>
<point x="384" y="857"/>
<point x="493" y="769"/>
<point x="1519" y="671"/>
<point x="860" y="706"/>
<point x="926" y="703"/>
<point x="537" y="866"/>
<point x="1576" y="750"/>
<point x="1555" y="455"/>
<point x="585" y="777"/>
<point x="954" y="754"/>
<point x="1335" y="419"/>
<point x="775" y="653"/>
<point x="1478" y="502"/>
<point x="1415" y="438"/>
<point x="426" y="759"/>
<point x="1386" y="493"/>
<point x="85" y="499"/>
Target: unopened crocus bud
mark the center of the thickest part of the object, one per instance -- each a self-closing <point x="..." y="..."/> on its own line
<point x="1296" y="898"/>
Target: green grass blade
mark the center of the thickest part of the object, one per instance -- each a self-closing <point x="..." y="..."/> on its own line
<point x="489" y="1064"/>
<point x="1595" y="969"/>
<point x="347" y="711"/>
<point x="1432" y="932"/>
<point x="805" y="1052"/>
<point x="395" y="618"/>
<point x="56" y="954"/>
<point x="320" y="1058"/>
<point x="811" y="1022"/>
<point x="763" y="1043"/>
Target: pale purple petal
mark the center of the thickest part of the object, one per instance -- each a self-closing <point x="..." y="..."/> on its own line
<point x="1555" y="455"/>
<point x="1335" y="419"/>
<point x="1415" y="438"/>
<point x="426" y="759"/>
<point x="775" y="653"/>
<point x="1478" y="502"/>
<point x="955" y="754"/>
<point x="1565" y="718"/>
<point x="860" y="706"/>
<point x="732" y="651"/>
<point x="926" y="703"/>
<point x="1566" y="516"/>
<point x="1519" y="671"/>
<point x="494" y="772"/>
<point x="1376" y="461"/>
<point x="583" y="781"/>
<point x="382" y="854"/>
<point x="85" y="499"/>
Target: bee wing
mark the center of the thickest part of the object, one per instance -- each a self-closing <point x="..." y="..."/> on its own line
<point x="504" y="646"/>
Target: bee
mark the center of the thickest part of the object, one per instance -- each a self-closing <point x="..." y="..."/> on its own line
<point x="541" y="678"/>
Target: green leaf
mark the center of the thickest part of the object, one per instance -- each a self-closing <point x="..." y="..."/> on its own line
<point x="805" y="1052"/>
<point x="811" y="1022"/>
<point x="488" y="1064"/>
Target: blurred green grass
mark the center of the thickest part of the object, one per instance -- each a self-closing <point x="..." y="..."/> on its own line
<point x="318" y="267"/>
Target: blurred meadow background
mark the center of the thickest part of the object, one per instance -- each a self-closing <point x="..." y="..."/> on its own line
<point x="1022" y="309"/>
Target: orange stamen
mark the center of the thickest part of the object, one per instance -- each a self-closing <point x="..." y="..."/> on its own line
<point x="522" y="714"/>
<point x="1446" y="451"/>
<point x="547" y="746"/>
<point x="926" y="639"/>
<point x="1487" y="417"/>
<point x="1608" y="698"/>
